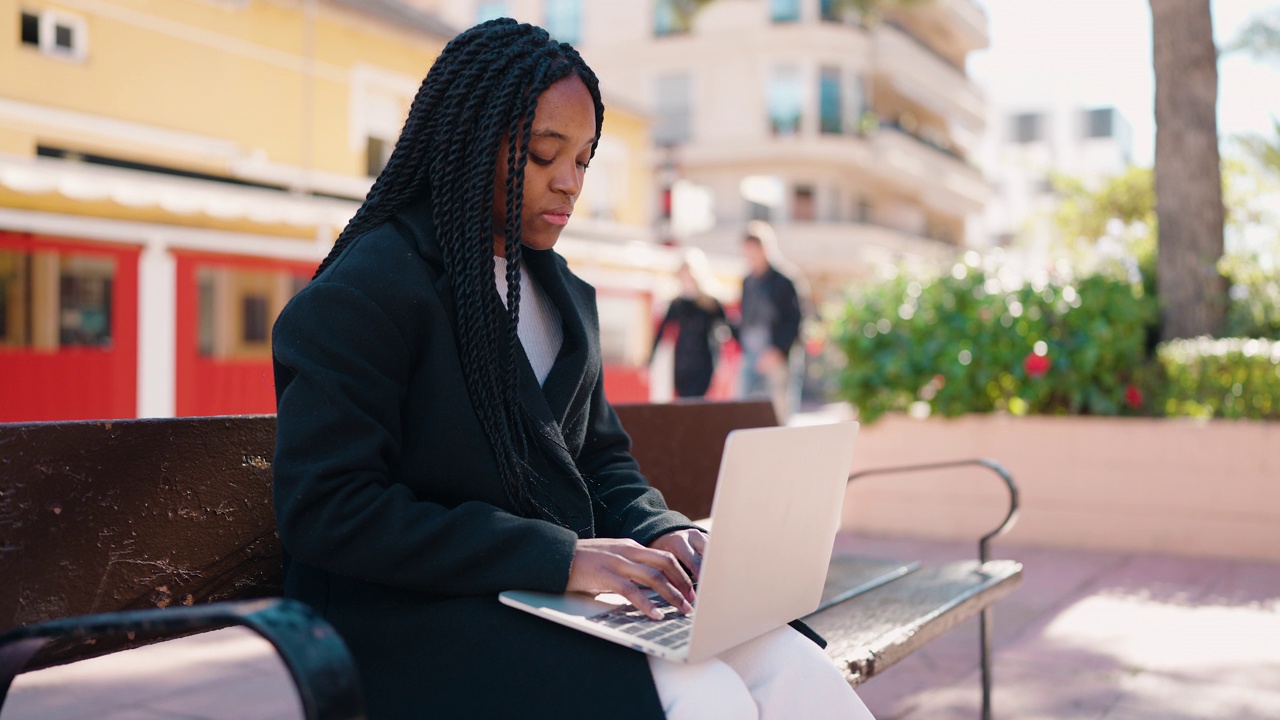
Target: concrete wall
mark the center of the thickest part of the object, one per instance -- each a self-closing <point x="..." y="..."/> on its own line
<point x="1176" y="486"/>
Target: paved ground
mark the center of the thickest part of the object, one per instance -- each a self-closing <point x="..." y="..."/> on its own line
<point x="1089" y="635"/>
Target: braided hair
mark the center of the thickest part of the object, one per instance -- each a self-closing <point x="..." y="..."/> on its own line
<point x="483" y="87"/>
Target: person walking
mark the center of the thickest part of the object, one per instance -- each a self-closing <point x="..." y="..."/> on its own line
<point x="698" y="318"/>
<point x="769" y="325"/>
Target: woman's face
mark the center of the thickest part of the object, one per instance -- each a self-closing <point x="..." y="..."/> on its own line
<point x="564" y="128"/>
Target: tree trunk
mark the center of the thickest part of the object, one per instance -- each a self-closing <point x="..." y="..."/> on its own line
<point x="1193" y="294"/>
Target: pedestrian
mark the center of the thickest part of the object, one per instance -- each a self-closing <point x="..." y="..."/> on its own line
<point x="443" y="433"/>
<point x="769" y="325"/>
<point x="698" y="318"/>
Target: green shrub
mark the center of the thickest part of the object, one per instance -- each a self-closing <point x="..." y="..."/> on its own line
<point x="1230" y="378"/>
<point x="972" y="342"/>
<point x="1254" y="308"/>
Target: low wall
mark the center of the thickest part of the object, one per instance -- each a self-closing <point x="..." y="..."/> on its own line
<point x="1162" y="485"/>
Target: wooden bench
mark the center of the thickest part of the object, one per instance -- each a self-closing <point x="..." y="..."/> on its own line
<point x="874" y="612"/>
<point x="114" y="520"/>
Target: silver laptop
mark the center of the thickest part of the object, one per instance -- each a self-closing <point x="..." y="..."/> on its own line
<point x="775" y="515"/>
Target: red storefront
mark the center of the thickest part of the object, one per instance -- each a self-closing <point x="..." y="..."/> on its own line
<point x="225" y="307"/>
<point x="68" y="329"/>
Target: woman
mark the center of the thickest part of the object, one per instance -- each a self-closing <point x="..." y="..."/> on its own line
<point x="439" y="441"/>
<point x="697" y="317"/>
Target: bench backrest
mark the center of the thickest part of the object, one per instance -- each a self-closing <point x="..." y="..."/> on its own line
<point x="678" y="445"/>
<point x="130" y="514"/>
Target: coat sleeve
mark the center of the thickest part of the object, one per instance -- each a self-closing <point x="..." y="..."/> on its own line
<point x="786" y="324"/>
<point x="626" y="505"/>
<point x="342" y="370"/>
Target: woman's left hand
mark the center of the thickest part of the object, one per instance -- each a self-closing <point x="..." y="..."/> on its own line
<point x="687" y="545"/>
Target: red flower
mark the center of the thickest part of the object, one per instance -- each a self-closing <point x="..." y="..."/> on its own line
<point x="1133" y="395"/>
<point x="1036" y="365"/>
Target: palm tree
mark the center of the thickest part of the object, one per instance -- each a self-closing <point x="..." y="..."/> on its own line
<point x="1189" y="210"/>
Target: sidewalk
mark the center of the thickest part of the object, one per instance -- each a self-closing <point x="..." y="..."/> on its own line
<point x="1103" y="636"/>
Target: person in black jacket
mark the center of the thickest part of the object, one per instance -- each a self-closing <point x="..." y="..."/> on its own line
<point x="769" y="326"/>
<point x="697" y="317"/>
<point x="442" y="430"/>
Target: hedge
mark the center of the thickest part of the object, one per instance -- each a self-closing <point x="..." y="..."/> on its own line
<point x="973" y="341"/>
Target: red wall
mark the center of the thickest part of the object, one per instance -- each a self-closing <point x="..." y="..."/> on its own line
<point x="77" y="383"/>
<point x="219" y="386"/>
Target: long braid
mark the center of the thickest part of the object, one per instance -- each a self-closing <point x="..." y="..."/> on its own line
<point x="483" y="87"/>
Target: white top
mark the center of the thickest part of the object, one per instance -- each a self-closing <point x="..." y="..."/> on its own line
<point x="540" y="332"/>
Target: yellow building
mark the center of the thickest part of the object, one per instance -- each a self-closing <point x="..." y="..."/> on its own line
<point x="170" y="173"/>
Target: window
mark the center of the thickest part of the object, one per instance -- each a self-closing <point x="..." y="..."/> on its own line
<point x="236" y="308"/>
<point x="803" y="206"/>
<point x="672" y="17"/>
<point x="786" y="96"/>
<point x="1027" y="127"/>
<point x="377" y="152"/>
<point x="55" y="33"/>
<point x="14" y="278"/>
<point x="674" y="111"/>
<point x="254" y="325"/>
<point x="84" y="301"/>
<point x="30" y="29"/>
<point x="1099" y="123"/>
<point x="784" y="10"/>
<point x="838" y="11"/>
<point x="50" y="299"/>
<point x="830" y="107"/>
<point x="564" y="20"/>
<point x="490" y="10"/>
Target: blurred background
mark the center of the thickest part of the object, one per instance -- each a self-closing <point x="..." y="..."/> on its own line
<point x="172" y="171"/>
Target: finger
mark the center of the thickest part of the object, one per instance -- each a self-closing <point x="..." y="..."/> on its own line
<point x="690" y="559"/>
<point x="659" y="578"/>
<point x="668" y="563"/>
<point x="637" y="596"/>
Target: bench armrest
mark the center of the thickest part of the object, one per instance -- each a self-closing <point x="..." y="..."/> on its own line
<point x="318" y="660"/>
<point x="1010" y="517"/>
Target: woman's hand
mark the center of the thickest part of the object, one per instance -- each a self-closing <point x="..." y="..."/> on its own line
<point x="624" y="566"/>
<point x="687" y="545"/>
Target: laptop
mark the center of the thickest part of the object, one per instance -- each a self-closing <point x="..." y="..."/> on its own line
<point x="775" y="515"/>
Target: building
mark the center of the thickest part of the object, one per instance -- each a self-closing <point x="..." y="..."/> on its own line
<point x="1025" y="147"/>
<point x="171" y="173"/>
<point x="851" y="135"/>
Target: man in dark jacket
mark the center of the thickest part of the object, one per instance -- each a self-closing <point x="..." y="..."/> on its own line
<point x="769" y="325"/>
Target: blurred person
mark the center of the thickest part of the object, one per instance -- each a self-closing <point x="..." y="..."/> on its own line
<point x="697" y="317"/>
<point x="769" y="325"/>
<point x="443" y="434"/>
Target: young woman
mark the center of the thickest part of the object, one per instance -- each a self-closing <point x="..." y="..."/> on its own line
<point x="443" y="433"/>
<point x="697" y="317"/>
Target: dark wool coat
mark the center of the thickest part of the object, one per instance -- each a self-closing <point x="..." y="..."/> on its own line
<point x="393" y="520"/>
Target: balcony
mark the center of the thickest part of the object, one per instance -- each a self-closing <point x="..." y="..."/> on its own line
<point x="926" y="78"/>
<point x="938" y="177"/>
<point x="830" y="253"/>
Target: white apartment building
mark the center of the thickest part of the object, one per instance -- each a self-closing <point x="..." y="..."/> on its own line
<point x="851" y="136"/>
<point x="1025" y="146"/>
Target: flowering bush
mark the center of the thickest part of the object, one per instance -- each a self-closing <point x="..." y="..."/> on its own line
<point x="976" y="342"/>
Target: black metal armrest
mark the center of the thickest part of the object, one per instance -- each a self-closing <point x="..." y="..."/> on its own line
<point x="318" y="660"/>
<point x="984" y="627"/>
<point x="1010" y="517"/>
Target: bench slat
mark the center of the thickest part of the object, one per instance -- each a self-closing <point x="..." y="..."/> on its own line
<point x="872" y="631"/>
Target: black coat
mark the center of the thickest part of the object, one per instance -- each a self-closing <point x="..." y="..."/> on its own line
<point x="392" y="516"/>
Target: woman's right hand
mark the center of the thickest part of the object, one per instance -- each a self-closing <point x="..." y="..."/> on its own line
<point x="625" y="567"/>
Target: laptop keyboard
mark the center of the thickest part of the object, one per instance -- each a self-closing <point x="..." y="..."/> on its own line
<point x="671" y="631"/>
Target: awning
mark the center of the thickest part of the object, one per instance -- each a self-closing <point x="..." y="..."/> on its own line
<point x="177" y="195"/>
